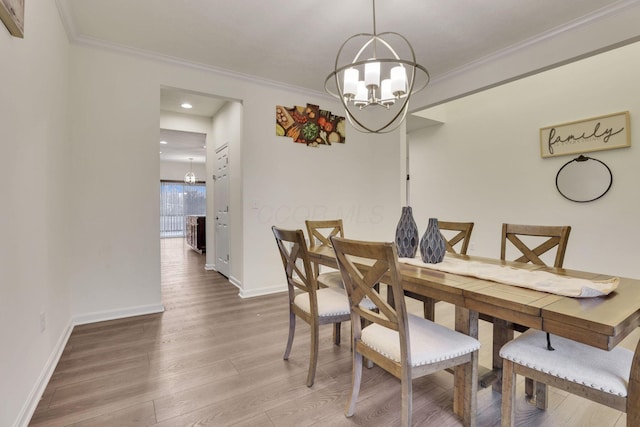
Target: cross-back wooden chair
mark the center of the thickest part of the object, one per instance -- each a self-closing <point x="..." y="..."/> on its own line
<point x="451" y="240"/>
<point x="314" y="306"/>
<point x="611" y="378"/>
<point x="556" y="237"/>
<point x="546" y="238"/>
<point x="462" y="237"/>
<point x="320" y="233"/>
<point x="404" y="345"/>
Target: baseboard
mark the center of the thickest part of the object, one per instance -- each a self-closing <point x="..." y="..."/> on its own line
<point x="256" y="292"/>
<point x="117" y="314"/>
<point x="211" y="267"/>
<point x="262" y="291"/>
<point x="235" y="282"/>
<point x="41" y="384"/>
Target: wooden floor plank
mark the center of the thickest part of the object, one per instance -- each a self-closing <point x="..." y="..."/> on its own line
<point x="142" y="414"/>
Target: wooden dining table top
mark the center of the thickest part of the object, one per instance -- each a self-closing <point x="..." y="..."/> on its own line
<point x="598" y="321"/>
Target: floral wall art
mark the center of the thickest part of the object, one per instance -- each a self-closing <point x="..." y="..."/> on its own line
<point x="310" y="125"/>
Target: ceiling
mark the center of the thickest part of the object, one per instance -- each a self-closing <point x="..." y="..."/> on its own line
<point x="294" y="43"/>
<point x="182" y="146"/>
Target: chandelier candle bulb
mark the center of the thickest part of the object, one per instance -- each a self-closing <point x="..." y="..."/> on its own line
<point x="361" y="99"/>
<point x="351" y="77"/>
<point x="385" y="92"/>
<point x="372" y="74"/>
<point x="398" y="80"/>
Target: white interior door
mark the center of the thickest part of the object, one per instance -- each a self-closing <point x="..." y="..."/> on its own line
<point x="221" y="204"/>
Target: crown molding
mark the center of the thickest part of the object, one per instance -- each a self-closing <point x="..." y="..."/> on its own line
<point x="74" y="38"/>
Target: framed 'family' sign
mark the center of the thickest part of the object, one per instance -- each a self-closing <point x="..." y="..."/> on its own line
<point x="595" y="134"/>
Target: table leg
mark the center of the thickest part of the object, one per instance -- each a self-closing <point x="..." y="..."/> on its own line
<point x="465" y="384"/>
<point x="502" y="334"/>
<point x="467" y="321"/>
<point x="429" y="309"/>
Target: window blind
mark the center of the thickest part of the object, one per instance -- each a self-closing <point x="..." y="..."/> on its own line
<point x="178" y="200"/>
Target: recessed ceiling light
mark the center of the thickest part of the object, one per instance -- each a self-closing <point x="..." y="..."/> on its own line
<point x="163" y="142"/>
<point x="186" y="105"/>
<point x="204" y="146"/>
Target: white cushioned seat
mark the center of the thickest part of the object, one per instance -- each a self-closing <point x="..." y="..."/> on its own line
<point x="332" y="279"/>
<point x="430" y="342"/>
<point x="331" y="302"/>
<point x="592" y="367"/>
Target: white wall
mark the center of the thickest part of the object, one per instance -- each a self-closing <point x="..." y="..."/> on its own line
<point x="288" y="183"/>
<point x="34" y="218"/>
<point x="484" y="163"/>
<point x="184" y="122"/>
<point x="116" y="100"/>
<point x="175" y="171"/>
<point x="114" y="238"/>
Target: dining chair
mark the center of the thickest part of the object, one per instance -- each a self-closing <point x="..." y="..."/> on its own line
<point x="462" y="235"/>
<point x="611" y="378"/>
<point x="405" y="345"/>
<point x="320" y="233"/>
<point x="531" y="242"/>
<point x="316" y="306"/>
<point x="456" y="239"/>
<point x="552" y="237"/>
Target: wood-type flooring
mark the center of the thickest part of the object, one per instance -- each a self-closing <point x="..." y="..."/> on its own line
<point x="213" y="358"/>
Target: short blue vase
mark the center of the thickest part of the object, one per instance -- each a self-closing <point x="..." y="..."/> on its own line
<point x="432" y="247"/>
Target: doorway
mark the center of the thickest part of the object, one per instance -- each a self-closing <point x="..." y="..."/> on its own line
<point x="219" y="121"/>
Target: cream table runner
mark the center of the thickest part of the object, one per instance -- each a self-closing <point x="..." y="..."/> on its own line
<point x="532" y="279"/>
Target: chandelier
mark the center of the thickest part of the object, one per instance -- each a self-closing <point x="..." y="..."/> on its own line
<point x="190" y="177"/>
<point x="358" y="85"/>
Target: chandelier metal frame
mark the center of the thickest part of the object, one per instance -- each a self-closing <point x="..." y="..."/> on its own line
<point x="354" y="104"/>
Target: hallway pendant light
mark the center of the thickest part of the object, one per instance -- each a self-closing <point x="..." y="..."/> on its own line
<point x="190" y="177"/>
<point x="358" y="85"/>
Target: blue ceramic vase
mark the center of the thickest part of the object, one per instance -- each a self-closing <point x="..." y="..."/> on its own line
<point x="432" y="247"/>
<point x="407" y="236"/>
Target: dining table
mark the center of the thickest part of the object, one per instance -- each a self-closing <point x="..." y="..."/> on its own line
<point x="602" y="322"/>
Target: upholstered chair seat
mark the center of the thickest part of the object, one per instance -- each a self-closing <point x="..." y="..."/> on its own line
<point x="332" y="302"/>
<point x="611" y="378"/>
<point x="331" y="279"/>
<point x="430" y="342"/>
<point x="607" y="371"/>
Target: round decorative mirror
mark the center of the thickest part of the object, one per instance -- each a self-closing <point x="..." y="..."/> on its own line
<point x="584" y="179"/>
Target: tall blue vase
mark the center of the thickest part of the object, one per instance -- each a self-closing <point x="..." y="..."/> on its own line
<point x="407" y="236"/>
<point x="432" y="247"/>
